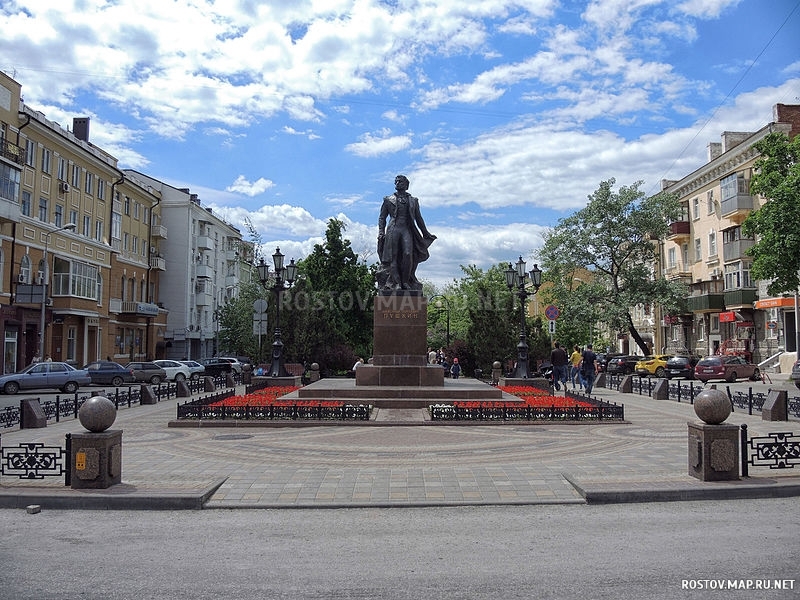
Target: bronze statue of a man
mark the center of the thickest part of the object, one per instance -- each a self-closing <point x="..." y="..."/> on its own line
<point x="403" y="244"/>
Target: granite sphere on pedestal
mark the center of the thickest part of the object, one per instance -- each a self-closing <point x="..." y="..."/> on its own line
<point x="712" y="406"/>
<point x="97" y="414"/>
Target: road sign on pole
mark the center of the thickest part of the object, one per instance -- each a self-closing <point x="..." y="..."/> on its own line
<point x="551" y="312"/>
<point x="552" y="327"/>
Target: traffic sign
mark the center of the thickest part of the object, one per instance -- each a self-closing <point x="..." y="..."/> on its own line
<point x="552" y="327"/>
<point x="551" y="312"/>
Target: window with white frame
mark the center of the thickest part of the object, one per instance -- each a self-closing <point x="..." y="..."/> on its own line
<point x="101" y="188"/>
<point x="714" y="318"/>
<point x="46" y="157"/>
<point x="685" y="256"/>
<point x="710" y="201"/>
<point x="98" y="230"/>
<point x="30" y="153"/>
<point x="672" y="260"/>
<point x="25" y="204"/>
<point x="43" y="210"/>
<point x="76" y="176"/>
<point x="62" y="169"/>
<point x="72" y="345"/>
<point x="58" y="216"/>
<point x="698" y="250"/>
<point x="87" y="225"/>
<point x="712" y="243"/>
<point x="88" y="186"/>
<point x="696" y="208"/>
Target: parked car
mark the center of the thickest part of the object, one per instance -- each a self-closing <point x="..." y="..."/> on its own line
<point x="622" y="365"/>
<point x="236" y="366"/>
<point x="176" y="371"/>
<point x="795" y="376"/>
<point x="215" y="367"/>
<point x="196" y="370"/>
<point x="681" y="366"/>
<point x="729" y="368"/>
<point x="104" y="372"/>
<point x="59" y="375"/>
<point x="652" y="365"/>
<point x="147" y="372"/>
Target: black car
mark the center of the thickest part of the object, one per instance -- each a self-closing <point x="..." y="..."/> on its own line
<point x="216" y="366"/>
<point x="622" y="365"/>
<point x="104" y="372"/>
<point x="681" y="366"/>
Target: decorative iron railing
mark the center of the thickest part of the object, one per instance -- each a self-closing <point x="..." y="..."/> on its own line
<point x="776" y="451"/>
<point x="35" y="461"/>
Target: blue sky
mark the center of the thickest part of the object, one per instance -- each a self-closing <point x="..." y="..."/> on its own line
<point x="504" y="114"/>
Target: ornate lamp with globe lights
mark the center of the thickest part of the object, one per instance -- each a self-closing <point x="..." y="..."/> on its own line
<point x="517" y="280"/>
<point x="278" y="281"/>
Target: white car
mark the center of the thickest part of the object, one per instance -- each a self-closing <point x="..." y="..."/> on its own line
<point x="197" y="370"/>
<point x="175" y="370"/>
<point x="236" y="366"/>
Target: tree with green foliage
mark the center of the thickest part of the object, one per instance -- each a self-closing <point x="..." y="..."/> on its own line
<point x="235" y="323"/>
<point x="330" y="316"/>
<point x="615" y="238"/>
<point x="776" y="225"/>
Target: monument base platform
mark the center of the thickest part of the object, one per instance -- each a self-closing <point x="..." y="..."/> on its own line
<point x="290" y="381"/>
<point x="402" y="396"/>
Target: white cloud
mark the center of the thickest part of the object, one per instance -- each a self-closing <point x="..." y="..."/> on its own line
<point x="371" y="146"/>
<point x="250" y="188"/>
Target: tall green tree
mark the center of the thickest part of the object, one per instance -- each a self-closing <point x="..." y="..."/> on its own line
<point x="776" y="225"/>
<point x="331" y="306"/>
<point x="235" y="323"/>
<point x="615" y="238"/>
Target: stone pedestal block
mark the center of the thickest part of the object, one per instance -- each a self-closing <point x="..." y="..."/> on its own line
<point x="626" y="387"/>
<point x="776" y="406"/>
<point x="229" y="382"/>
<point x="714" y="452"/>
<point x="147" y="395"/>
<point x="96" y="459"/>
<point x="182" y="389"/>
<point x="31" y="415"/>
<point x="600" y="380"/>
<point x="400" y="345"/>
<point x="208" y="384"/>
<point x="661" y="390"/>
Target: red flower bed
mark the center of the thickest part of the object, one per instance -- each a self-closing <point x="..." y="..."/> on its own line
<point x="537" y="398"/>
<point x="266" y="397"/>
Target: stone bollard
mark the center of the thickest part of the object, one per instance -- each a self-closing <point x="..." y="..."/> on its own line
<point x="313" y="372"/>
<point x="497" y="372"/>
<point x="626" y="387"/>
<point x="713" y="446"/>
<point x="776" y="406"/>
<point x="96" y="456"/>
<point x="229" y="382"/>
<point x="31" y="415"/>
<point x="208" y="384"/>
<point x="182" y="389"/>
<point x="147" y="395"/>
<point x="600" y="381"/>
<point x="661" y="390"/>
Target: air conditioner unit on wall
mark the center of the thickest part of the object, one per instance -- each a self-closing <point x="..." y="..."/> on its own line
<point x="20" y="278"/>
<point x="63" y="187"/>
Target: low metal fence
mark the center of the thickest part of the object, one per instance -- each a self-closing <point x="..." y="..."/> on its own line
<point x="775" y="450"/>
<point x="749" y="400"/>
<point x="207" y="408"/>
<point x="36" y="461"/>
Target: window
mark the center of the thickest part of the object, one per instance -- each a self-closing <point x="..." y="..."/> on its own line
<point x="134" y="245"/>
<point x="25" y="204"/>
<point x="125" y="241"/>
<point x="89" y="183"/>
<point x="76" y="176"/>
<point x="62" y="169"/>
<point x="73" y="217"/>
<point x="71" y="342"/>
<point x="46" y="160"/>
<point x="737" y="276"/>
<point x="698" y="250"/>
<point x="87" y="225"/>
<point x="43" y="210"/>
<point x="9" y="183"/>
<point x="671" y="258"/>
<point x="30" y="153"/>
<point x="127" y="205"/>
<point x="685" y="255"/>
<point x="712" y="243"/>
<point x="59" y="216"/>
<point x="73" y="278"/>
<point x="710" y="201"/>
<point x="732" y="185"/>
<point x="696" y="208"/>
<point x="714" y="323"/>
<point x="101" y="189"/>
<point x="98" y="231"/>
<point x="25" y="268"/>
<point x="116" y="226"/>
<point x="136" y="210"/>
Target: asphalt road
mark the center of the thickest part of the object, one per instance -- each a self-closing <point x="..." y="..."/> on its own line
<point x="544" y="552"/>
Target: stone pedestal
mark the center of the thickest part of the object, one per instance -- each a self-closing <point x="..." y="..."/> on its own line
<point x="776" y="406"/>
<point x="290" y="381"/>
<point x="147" y="395"/>
<point x="400" y="344"/>
<point x="31" y="415"/>
<point x="661" y="390"/>
<point x="713" y="452"/>
<point x="96" y="459"/>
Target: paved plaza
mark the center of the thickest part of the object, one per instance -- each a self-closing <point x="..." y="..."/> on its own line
<point x="400" y="459"/>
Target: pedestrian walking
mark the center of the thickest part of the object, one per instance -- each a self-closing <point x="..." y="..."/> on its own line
<point x="575" y="367"/>
<point x="588" y="368"/>
<point x="559" y="360"/>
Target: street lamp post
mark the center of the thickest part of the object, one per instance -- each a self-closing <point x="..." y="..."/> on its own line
<point x="283" y="278"/>
<point x="518" y="278"/>
<point x="439" y="304"/>
<point x="45" y="281"/>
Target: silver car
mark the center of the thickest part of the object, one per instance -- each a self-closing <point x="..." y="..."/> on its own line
<point x="59" y="375"/>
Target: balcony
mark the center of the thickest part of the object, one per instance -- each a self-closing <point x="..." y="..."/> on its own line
<point x="204" y="243"/>
<point x="158" y="231"/>
<point x="158" y="263"/>
<point x="741" y="298"/>
<point x="706" y="303"/>
<point x="736" y="249"/>
<point x="231" y="281"/>
<point x="203" y="299"/>
<point x="737" y="202"/>
<point x="679" y="230"/>
<point x="204" y="271"/>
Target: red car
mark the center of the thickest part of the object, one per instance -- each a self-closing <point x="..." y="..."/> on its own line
<point x="729" y="368"/>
